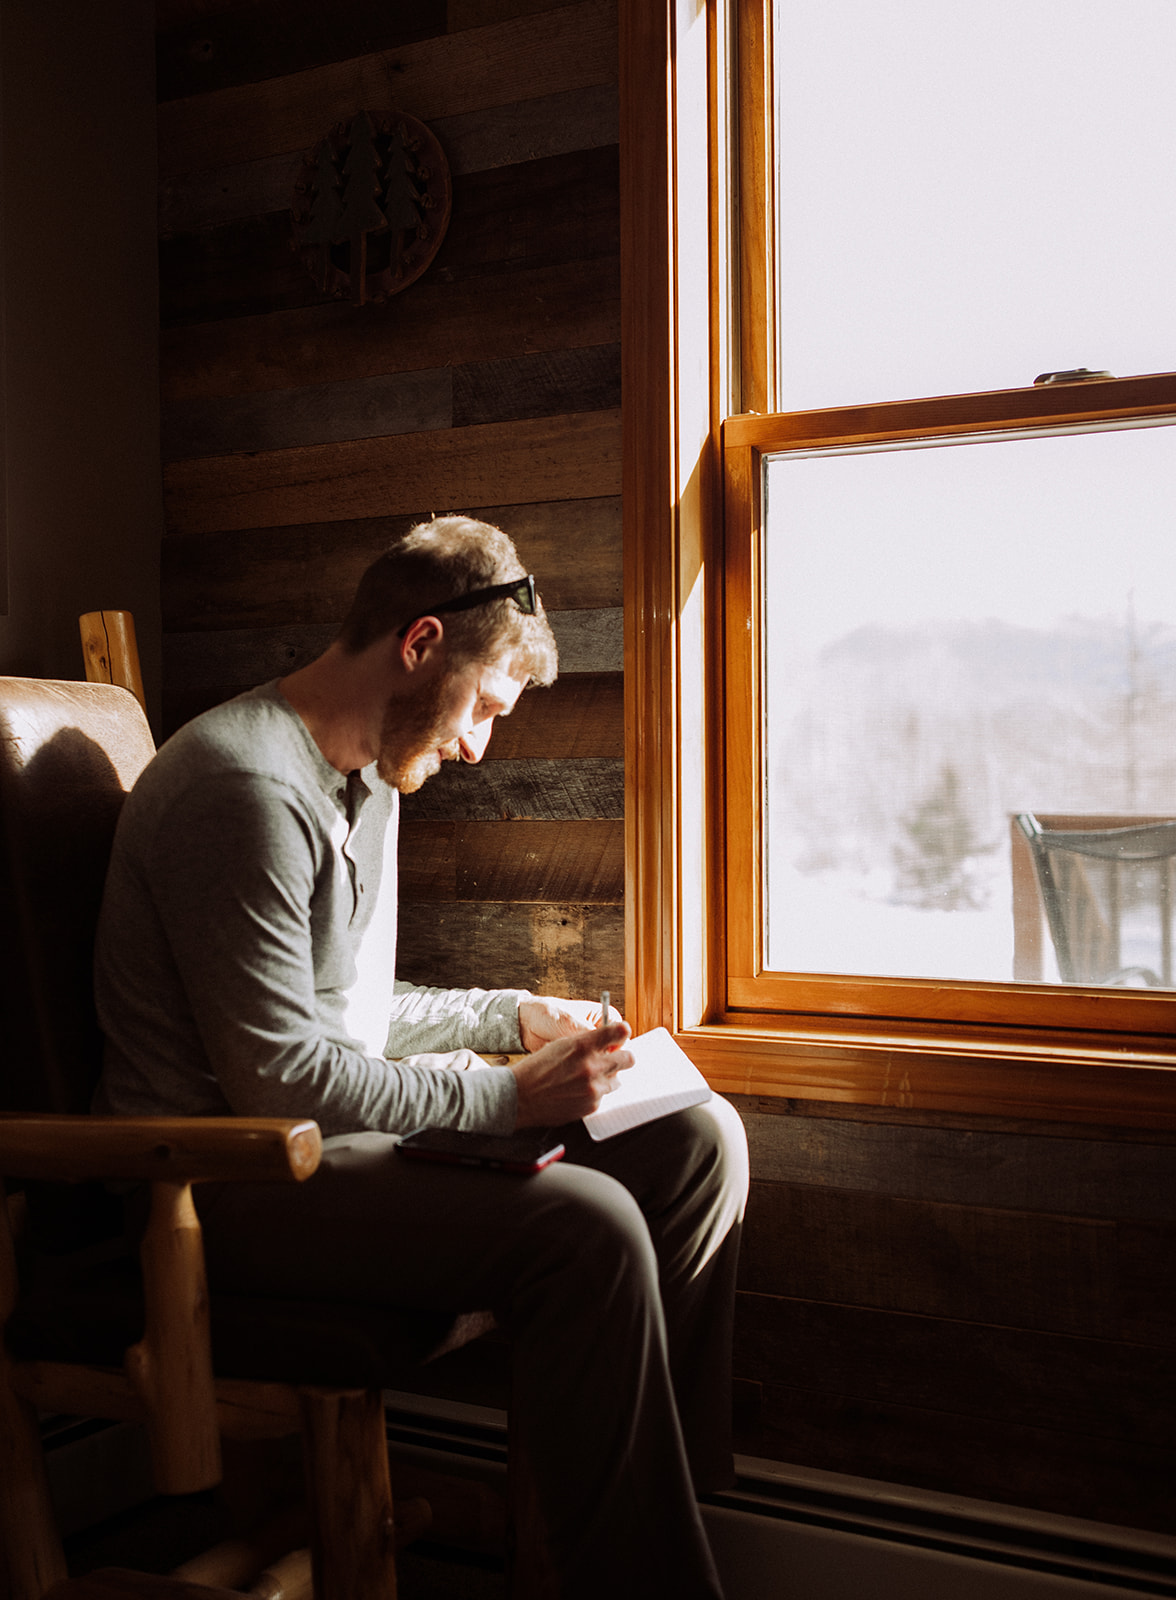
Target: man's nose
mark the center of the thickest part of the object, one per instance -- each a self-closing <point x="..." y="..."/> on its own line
<point x="473" y="744"/>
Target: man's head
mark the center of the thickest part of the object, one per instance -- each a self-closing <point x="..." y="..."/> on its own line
<point x="469" y="663"/>
<point x="436" y="563"/>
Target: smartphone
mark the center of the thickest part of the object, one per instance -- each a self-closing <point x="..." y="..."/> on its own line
<point x="529" y="1151"/>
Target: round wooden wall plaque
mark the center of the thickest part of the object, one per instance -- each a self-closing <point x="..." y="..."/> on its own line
<point x="371" y="206"/>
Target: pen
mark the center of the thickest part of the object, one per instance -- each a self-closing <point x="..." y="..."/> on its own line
<point x="604" y="1009"/>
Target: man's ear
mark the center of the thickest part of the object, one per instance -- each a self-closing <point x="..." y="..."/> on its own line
<point x="423" y="644"/>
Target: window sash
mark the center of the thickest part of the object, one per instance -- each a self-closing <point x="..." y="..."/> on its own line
<point x="749" y="985"/>
<point x="684" y="114"/>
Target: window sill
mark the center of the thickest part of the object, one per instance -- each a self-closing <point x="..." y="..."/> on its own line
<point x="1051" y="1077"/>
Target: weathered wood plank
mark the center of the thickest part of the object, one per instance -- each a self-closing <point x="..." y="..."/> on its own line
<point x="1066" y="1473"/>
<point x="572" y="47"/>
<point x="263" y="577"/>
<point x="548" y="458"/>
<point x="436" y="325"/>
<point x="589" y="641"/>
<point x="529" y="130"/>
<point x="1020" y="1269"/>
<point x="190" y="202"/>
<point x="537" y="214"/>
<point x="268" y="38"/>
<point x="543" y="861"/>
<point x="583" y="379"/>
<point x="582" y="714"/>
<point x="965" y="1121"/>
<point x="551" y="790"/>
<point x="478" y="13"/>
<point x="279" y="419"/>
<point x="240" y="657"/>
<point x="178" y="13"/>
<point x="1068" y="1177"/>
<point x="564" y="949"/>
<point x="237" y="658"/>
<point x="395" y="403"/>
<point x="243" y="269"/>
<point x="1147" y="1284"/>
<point x="561" y="208"/>
<point x="1045" y="1380"/>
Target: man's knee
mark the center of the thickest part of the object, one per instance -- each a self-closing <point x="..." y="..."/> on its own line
<point x="710" y="1143"/>
<point x="589" y="1248"/>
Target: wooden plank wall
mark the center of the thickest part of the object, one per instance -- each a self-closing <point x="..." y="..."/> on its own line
<point x="302" y="435"/>
<point x="973" y="1306"/>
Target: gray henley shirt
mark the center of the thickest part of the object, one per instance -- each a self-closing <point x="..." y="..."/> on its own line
<point x="246" y="952"/>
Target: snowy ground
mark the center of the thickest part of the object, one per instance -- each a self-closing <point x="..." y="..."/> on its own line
<point x="832" y="923"/>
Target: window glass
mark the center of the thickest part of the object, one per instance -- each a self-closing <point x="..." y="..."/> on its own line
<point x="957" y="634"/>
<point x="970" y="195"/>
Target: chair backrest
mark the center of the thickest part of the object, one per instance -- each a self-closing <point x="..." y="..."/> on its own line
<point x="1108" y="899"/>
<point x="69" y="753"/>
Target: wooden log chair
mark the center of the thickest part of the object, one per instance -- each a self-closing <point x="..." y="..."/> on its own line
<point x="90" y="1331"/>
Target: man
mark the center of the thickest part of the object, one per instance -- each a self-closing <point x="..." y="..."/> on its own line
<point x="246" y="963"/>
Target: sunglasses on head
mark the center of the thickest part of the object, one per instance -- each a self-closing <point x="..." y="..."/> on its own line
<point x="520" y="590"/>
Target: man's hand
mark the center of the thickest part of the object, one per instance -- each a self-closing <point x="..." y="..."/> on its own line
<point x="543" y="1019"/>
<point x="567" y="1078"/>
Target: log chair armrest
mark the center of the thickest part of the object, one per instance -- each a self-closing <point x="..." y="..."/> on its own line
<point x="176" y="1150"/>
<point x="170" y="1369"/>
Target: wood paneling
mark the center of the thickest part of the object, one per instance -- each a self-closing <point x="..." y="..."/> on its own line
<point x="560" y="949"/>
<point x="975" y="1308"/>
<point x="582" y="714"/>
<point x="239" y="44"/>
<point x="940" y="1364"/>
<point x="537" y="214"/>
<point x="519" y="861"/>
<point x="280" y="419"/>
<point x="1021" y="1172"/>
<point x="477" y="13"/>
<point x="539" y="788"/>
<point x="1071" y="1473"/>
<point x="438" y="324"/>
<point x="573" y="47"/>
<point x="582" y="379"/>
<point x="401" y="402"/>
<point x="551" y="125"/>
<point x="934" y="1259"/>
<point x="549" y="458"/>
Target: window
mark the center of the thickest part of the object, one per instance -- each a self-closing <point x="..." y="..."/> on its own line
<point x="730" y="554"/>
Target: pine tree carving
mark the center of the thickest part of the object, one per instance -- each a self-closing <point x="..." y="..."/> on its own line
<point x="361" y="212"/>
<point x="402" y="200"/>
<point x="321" y="226"/>
<point x="371" y="205"/>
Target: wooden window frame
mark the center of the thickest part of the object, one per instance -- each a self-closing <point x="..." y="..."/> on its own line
<point x="697" y="287"/>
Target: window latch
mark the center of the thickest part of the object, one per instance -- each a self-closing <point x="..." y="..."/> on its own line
<point x="1072" y="375"/>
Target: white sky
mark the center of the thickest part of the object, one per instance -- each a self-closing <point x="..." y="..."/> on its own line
<point x="1027" y="531"/>
<point x="970" y="195"/>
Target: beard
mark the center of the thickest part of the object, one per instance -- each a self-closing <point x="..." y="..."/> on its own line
<point x="412" y="745"/>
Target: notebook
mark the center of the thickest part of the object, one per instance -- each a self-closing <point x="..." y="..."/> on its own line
<point x="662" y="1079"/>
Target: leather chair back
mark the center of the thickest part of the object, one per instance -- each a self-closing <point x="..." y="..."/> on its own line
<point x="69" y="753"/>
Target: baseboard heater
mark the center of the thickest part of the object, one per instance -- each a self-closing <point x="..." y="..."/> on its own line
<point x="792" y="1533"/>
<point x="782" y="1533"/>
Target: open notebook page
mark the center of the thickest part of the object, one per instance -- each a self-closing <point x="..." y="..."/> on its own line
<point x="662" y="1079"/>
